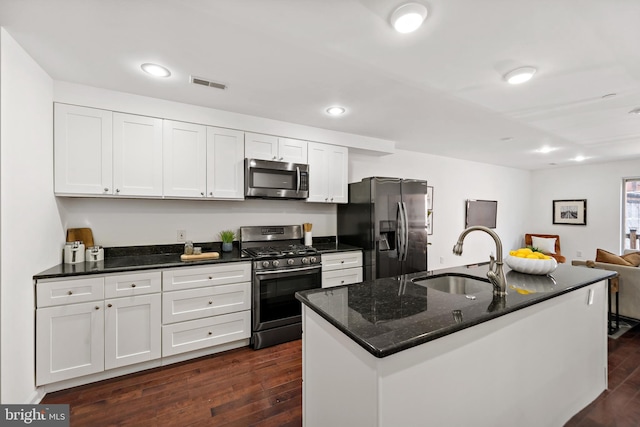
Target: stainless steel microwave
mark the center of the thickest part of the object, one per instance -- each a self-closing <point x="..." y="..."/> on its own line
<point x="275" y="180"/>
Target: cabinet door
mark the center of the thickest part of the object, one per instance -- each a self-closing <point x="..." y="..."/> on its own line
<point x="198" y="277"/>
<point x="292" y="150"/>
<point x="259" y="146"/>
<point x="341" y="260"/>
<point x="338" y="164"/>
<point x="137" y="155"/>
<point x="82" y="150"/>
<point x="318" y="169"/>
<point x="184" y="159"/>
<point x="69" y="341"/>
<point x="225" y="163"/>
<point x="132" y="330"/>
<point x="328" y="165"/>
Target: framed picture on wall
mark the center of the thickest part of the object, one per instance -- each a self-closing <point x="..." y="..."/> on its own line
<point x="570" y="212"/>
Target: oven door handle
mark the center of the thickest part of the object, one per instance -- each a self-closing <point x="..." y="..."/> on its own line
<point x="297" y="179"/>
<point x="289" y="270"/>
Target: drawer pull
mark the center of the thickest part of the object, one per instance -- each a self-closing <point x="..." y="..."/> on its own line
<point x="210" y="278"/>
<point x="210" y="302"/>
<point x="342" y="282"/>
<point x="97" y="307"/>
<point x="109" y="305"/>
<point x="210" y="333"/>
<point x="342" y="262"/>
<point x="133" y="285"/>
<point x="70" y="293"/>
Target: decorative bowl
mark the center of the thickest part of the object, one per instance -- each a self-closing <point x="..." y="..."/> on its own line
<point x="531" y="266"/>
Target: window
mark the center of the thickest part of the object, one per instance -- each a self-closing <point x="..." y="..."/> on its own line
<point x="631" y="227"/>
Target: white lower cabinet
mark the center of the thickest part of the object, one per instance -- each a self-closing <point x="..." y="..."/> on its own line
<point x="205" y="307"/>
<point x="341" y="268"/>
<point x="101" y="326"/>
<point x="210" y="331"/>
<point x="69" y="341"/>
<point x="75" y="338"/>
<point x="131" y="330"/>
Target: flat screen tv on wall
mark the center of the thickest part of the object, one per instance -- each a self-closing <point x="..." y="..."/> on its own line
<point x="481" y="212"/>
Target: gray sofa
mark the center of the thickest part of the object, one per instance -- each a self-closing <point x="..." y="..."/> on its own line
<point x="629" y="282"/>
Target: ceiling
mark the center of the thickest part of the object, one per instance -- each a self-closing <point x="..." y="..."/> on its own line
<point x="438" y="90"/>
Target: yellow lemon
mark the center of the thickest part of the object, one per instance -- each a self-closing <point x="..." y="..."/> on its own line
<point x="532" y="256"/>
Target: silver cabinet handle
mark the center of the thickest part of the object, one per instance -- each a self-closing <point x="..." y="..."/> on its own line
<point x="274" y="158"/>
<point x="211" y="193"/>
<point x="202" y="193"/>
<point x="133" y="285"/>
<point x="97" y="308"/>
<point x="106" y="189"/>
<point x="70" y="293"/>
<point x="117" y="190"/>
<point x="210" y="333"/>
<point x="109" y="305"/>
<point x="210" y="302"/>
<point x="281" y="158"/>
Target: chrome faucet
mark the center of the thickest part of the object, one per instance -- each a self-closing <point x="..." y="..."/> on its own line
<point x="495" y="273"/>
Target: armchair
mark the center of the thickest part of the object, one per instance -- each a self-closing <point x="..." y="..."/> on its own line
<point x="557" y="255"/>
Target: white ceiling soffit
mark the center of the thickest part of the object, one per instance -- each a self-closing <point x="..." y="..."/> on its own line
<point x="438" y="90"/>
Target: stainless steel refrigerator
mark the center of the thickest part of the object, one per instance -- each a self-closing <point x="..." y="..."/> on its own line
<point x="386" y="217"/>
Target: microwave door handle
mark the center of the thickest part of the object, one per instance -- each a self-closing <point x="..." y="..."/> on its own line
<point x="297" y="179"/>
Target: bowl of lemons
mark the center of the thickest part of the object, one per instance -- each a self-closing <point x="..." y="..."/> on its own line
<point x="529" y="261"/>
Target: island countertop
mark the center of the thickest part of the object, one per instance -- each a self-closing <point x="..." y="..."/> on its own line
<point x="386" y="316"/>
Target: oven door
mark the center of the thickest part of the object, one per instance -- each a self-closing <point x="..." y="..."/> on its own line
<point x="280" y="180"/>
<point x="274" y="301"/>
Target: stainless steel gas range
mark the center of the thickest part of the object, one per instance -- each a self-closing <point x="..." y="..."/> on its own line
<point x="282" y="266"/>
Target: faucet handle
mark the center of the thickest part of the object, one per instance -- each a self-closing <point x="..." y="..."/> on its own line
<point x="492" y="262"/>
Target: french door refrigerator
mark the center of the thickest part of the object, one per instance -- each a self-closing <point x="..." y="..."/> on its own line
<point x="386" y="217"/>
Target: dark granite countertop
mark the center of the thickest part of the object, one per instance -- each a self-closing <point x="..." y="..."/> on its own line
<point x="118" y="260"/>
<point x="131" y="258"/>
<point x="386" y="316"/>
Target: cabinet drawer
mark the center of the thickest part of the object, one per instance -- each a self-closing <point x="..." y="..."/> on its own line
<point x="194" y="304"/>
<point x="340" y="260"/>
<point x="197" y="277"/>
<point x="69" y="291"/>
<point x="341" y="277"/>
<point x="124" y="285"/>
<point x="196" y="334"/>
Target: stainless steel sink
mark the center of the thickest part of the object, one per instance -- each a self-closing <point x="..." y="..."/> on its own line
<point x="453" y="283"/>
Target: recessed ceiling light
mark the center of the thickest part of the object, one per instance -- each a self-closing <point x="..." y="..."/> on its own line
<point x="545" y="149"/>
<point x="635" y="111"/>
<point x="155" y="70"/>
<point x="408" y="17"/>
<point x="336" y="111"/>
<point x="520" y="75"/>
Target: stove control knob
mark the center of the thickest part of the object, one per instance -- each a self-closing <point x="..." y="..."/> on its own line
<point x="265" y="264"/>
<point x="305" y="260"/>
<point x="276" y="263"/>
<point x="313" y="260"/>
<point x="290" y="261"/>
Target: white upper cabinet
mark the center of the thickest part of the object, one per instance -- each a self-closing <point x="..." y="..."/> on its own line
<point x="225" y="163"/>
<point x="137" y="155"/>
<point x="184" y="158"/>
<point x="268" y="147"/>
<point x="82" y="150"/>
<point x="328" y="165"/>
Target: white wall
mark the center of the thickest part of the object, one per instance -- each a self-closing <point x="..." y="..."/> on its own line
<point x="455" y="181"/>
<point x="30" y="224"/>
<point x="116" y="222"/>
<point x="601" y="185"/>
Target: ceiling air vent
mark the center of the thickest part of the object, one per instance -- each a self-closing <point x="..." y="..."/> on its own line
<point x="205" y="82"/>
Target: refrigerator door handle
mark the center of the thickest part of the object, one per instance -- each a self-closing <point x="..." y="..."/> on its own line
<point x="400" y="232"/>
<point x="405" y="220"/>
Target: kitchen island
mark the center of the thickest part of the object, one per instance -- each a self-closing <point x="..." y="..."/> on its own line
<point x="395" y="352"/>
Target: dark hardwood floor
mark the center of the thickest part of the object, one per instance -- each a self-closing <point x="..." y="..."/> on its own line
<point x="240" y="387"/>
<point x="264" y="388"/>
